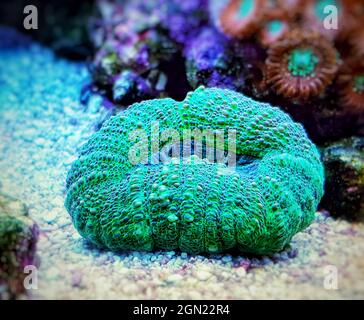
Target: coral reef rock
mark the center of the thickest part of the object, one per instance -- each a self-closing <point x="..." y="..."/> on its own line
<point x="18" y="238"/>
<point x="137" y="54"/>
<point x="344" y="165"/>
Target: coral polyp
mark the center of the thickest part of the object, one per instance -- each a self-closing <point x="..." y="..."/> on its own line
<point x="301" y="65"/>
<point x="351" y="82"/>
<point x="241" y="18"/>
<point x="192" y="203"/>
<point x="302" y="62"/>
<point x="275" y="25"/>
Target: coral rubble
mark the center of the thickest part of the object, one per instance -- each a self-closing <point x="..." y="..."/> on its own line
<point x="241" y="19"/>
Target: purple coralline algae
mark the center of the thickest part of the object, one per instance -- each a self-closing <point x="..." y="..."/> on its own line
<point x="183" y="19"/>
<point x="131" y="51"/>
<point x="215" y="61"/>
<point x="207" y="60"/>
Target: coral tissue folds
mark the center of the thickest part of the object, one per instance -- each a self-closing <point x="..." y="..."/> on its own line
<point x="192" y="203"/>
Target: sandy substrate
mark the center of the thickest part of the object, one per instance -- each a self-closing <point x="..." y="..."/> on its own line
<point x="43" y="125"/>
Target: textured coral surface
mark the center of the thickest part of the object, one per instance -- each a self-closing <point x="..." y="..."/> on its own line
<point x="194" y="205"/>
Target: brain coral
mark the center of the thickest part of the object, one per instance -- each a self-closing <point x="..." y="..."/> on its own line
<point x="195" y="205"/>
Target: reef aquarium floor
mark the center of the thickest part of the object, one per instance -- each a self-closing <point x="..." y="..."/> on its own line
<point x="42" y="126"/>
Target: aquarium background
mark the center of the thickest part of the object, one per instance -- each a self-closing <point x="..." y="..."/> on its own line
<point x="90" y="60"/>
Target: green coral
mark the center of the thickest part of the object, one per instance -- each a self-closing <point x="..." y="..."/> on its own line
<point x="196" y="205"/>
<point x="302" y="62"/>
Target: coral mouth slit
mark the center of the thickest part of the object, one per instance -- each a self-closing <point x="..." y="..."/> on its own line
<point x="241" y="162"/>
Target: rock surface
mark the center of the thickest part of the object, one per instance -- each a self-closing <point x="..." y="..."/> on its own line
<point x="18" y="238"/>
<point x="344" y="164"/>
